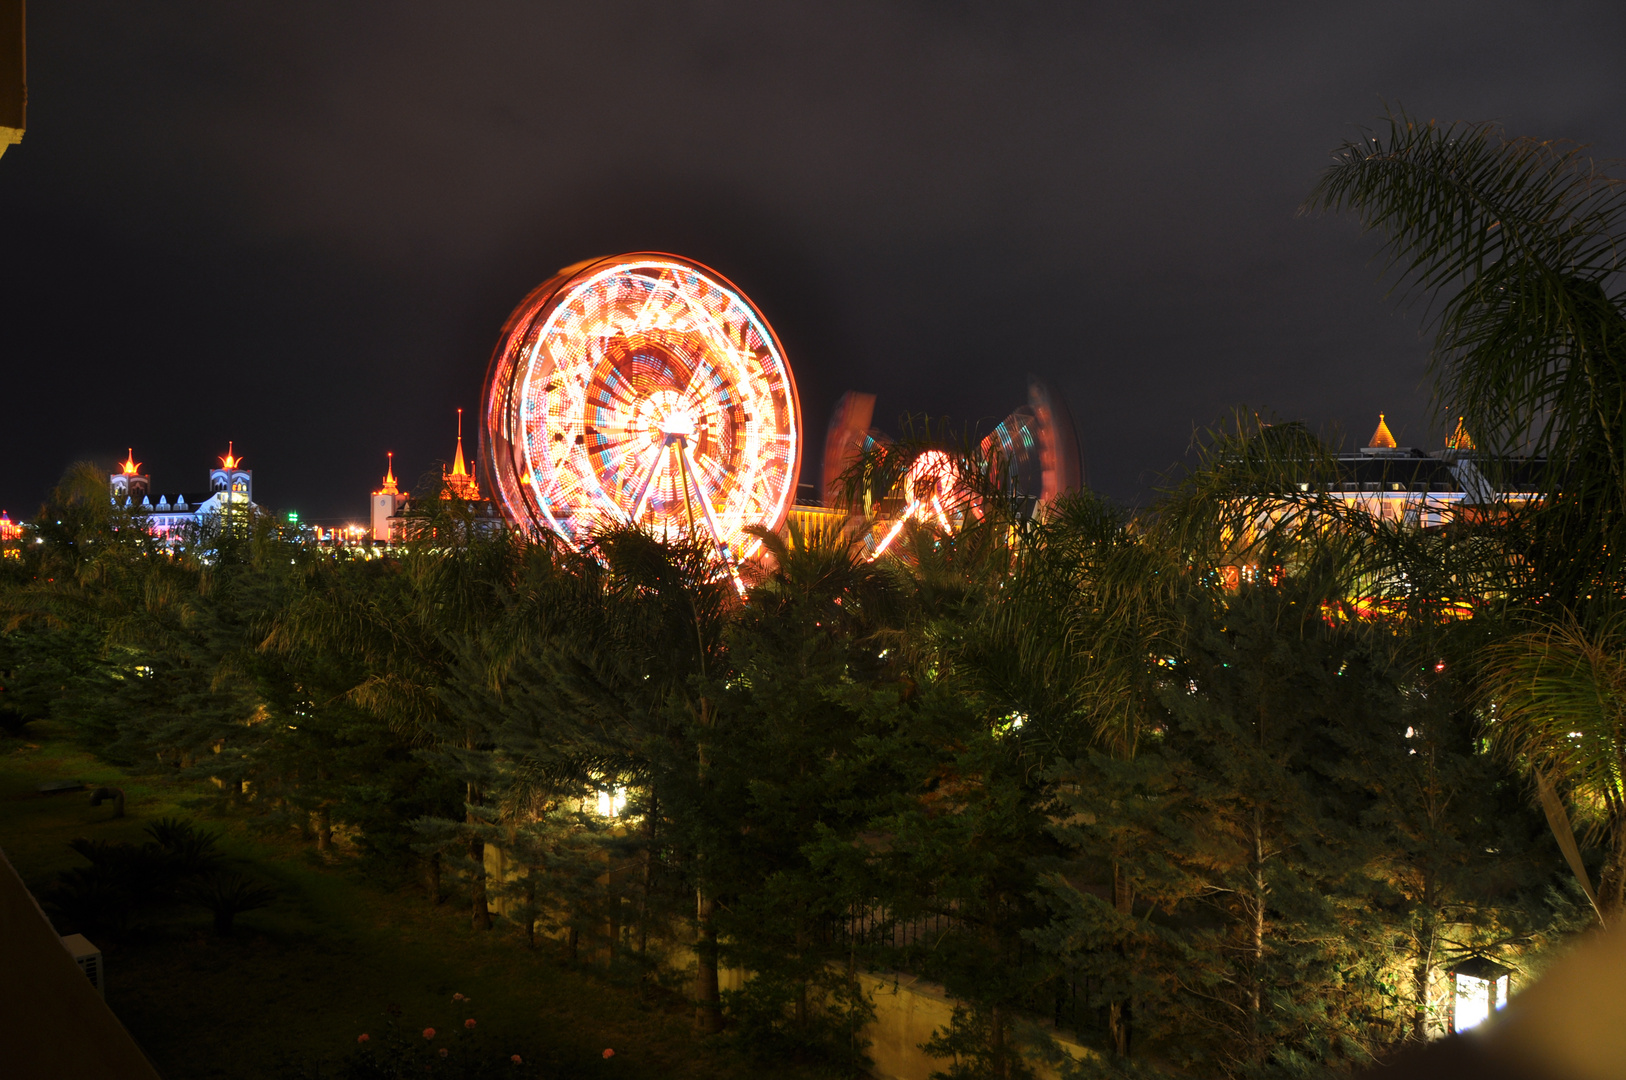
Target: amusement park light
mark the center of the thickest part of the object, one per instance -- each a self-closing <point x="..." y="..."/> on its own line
<point x="929" y="484"/>
<point x="642" y="389"/>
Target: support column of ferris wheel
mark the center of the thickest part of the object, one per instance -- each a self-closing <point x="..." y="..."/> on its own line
<point x="677" y="439"/>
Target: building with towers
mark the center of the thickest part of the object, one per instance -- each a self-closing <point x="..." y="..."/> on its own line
<point x="386" y="501"/>
<point x="388" y="505"/>
<point x="1413" y="486"/>
<point x="230" y="486"/>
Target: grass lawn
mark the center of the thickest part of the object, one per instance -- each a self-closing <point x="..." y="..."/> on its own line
<point x="304" y="977"/>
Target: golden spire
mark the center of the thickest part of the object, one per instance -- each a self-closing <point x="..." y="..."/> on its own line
<point x="458" y="468"/>
<point x="458" y="480"/>
<point x="131" y="466"/>
<point x="389" y="487"/>
<point x="230" y="461"/>
<point x="1459" y="439"/>
<point x="1381" y="438"/>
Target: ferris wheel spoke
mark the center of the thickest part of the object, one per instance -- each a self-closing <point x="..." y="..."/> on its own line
<point x="711" y="469"/>
<point x="710" y="517"/>
<point x="649" y="481"/>
<point x="694" y="492"/>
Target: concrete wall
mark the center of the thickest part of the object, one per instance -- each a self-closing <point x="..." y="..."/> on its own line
<point x="908" y="1012"/>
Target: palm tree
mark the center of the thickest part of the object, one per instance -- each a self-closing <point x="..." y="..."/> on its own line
<point x="1558" y="699"/>
<point x="1515" y="247"/>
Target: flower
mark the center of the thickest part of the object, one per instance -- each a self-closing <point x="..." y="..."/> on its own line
<point x="429" y="1033"/>
<point x="363" y="1037"/>
<point x="444" y="1051"/>
<point x="608" y="1053"/>
<point x="517" y="1060"/>
<point x="469" y="1022"/>
<point x="457" y="997"/>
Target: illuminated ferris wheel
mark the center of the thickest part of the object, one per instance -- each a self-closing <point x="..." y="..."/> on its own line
<point x="642" y="389"/>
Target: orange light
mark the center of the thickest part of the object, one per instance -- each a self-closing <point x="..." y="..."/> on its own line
<point x="932" y="478"/>
<point x="230" y="461"/>
<point x="1377" y="609"/>
<point x="1382" y="439"/>
<point x="459" y="482"/>
<point x="389" y="487"/>
<point x="458" y="468"/>
<point x="131" y="466"/>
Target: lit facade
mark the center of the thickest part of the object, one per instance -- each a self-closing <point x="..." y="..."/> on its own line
<point x="11" y="535"/>
<point x="387" y="501"/>
<point x="230" y="486"/>
<point x="1428" y="489"/>
<point x="388" y="506"/>
<point x="1410" y="488"/>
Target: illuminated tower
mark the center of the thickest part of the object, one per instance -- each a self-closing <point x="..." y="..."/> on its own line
<point x="231" y="483"/>
<point x="129" y="482"/>
<point x="1382" y="440"/>
<point x="458" y="483"/>
<point x="386" y="500"/>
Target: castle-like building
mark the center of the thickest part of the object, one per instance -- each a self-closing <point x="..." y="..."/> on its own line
<point x="230" y="485"/>
<point x="1427" y="489"/>
<point x="388" y="505"/>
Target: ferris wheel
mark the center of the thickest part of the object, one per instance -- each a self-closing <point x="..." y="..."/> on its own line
<point x="645" y="390"/>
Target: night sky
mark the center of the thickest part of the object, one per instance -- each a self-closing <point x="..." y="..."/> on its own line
<point x="299" y="226"/>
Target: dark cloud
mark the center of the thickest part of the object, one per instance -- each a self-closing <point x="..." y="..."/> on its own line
<point x="300" y="226"/>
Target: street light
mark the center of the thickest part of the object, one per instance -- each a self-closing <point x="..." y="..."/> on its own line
<point x="611" y="802"/>
<point x="1479" y="988"/>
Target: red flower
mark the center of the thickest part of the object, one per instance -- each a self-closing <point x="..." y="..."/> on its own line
<point x="429" y="1033"/>
<point x="363" y="1038"/>
<point x="516" y="1060"/>
<point x="444" y="1051"/>
<point x="609" y="1053"/>
<point x="469" y="1022"/>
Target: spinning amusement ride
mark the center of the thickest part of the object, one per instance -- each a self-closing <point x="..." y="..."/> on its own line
<point x="647" y="390"/>
<point x="642" y="389"/>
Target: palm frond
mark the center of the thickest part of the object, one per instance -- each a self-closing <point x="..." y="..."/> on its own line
<point x="1514" y="246"/>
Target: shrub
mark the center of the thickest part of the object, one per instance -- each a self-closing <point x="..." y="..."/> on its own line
<point x="228" y="894"/>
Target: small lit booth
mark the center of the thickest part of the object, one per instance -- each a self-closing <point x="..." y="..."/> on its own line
<point x="1479" y="987"/>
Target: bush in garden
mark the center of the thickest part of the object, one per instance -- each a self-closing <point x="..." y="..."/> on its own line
<point x="228" y="895"/>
